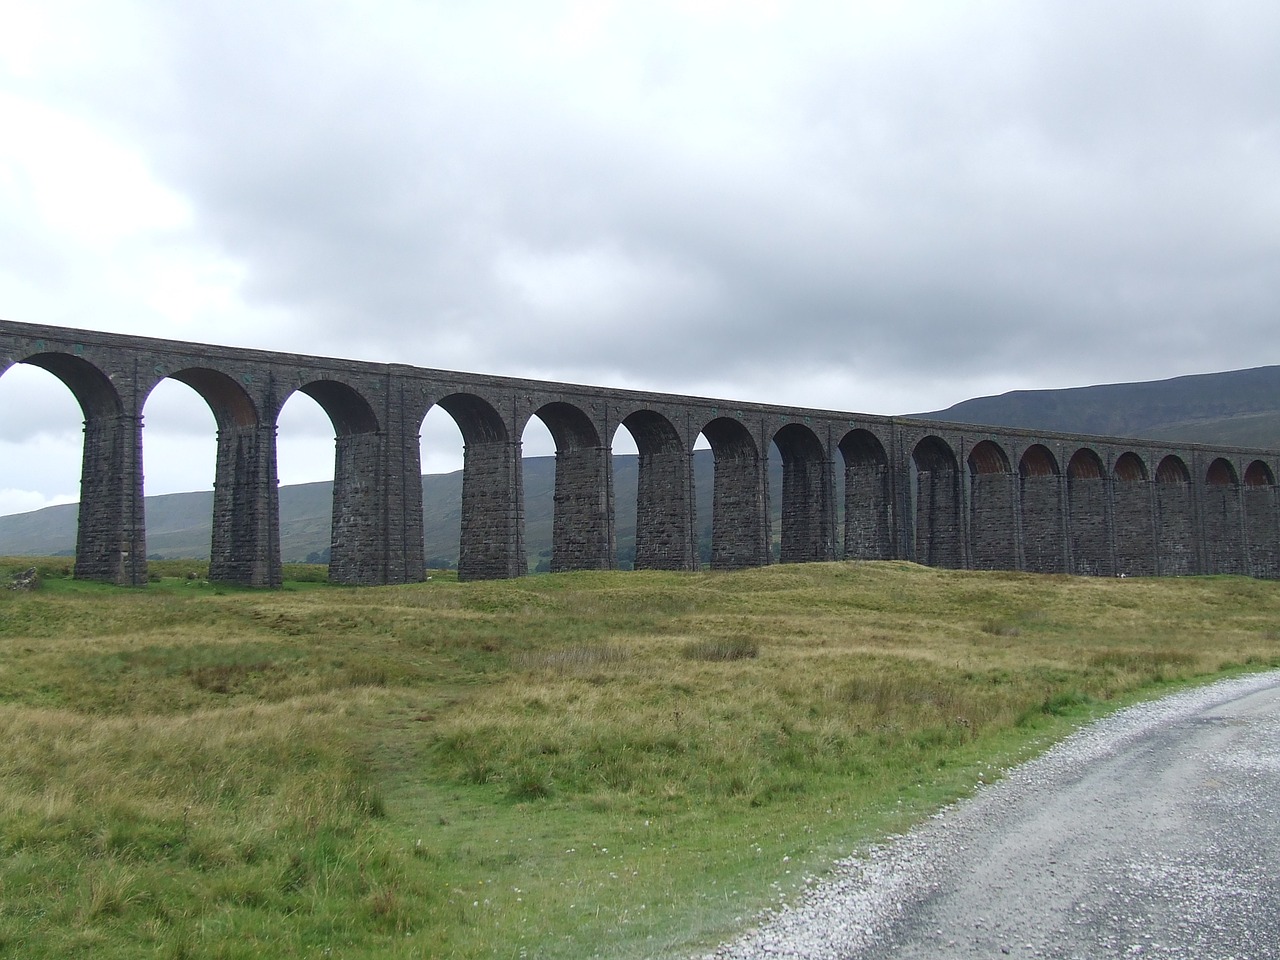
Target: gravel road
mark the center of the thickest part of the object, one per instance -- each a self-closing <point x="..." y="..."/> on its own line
<point x="1152" y="833"/>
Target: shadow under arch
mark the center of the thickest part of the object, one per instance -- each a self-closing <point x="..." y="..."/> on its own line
<point x="491" y="543"/>
<point x="993" y="533"/>
<point x="935" y="504"/>
<point x="664" y="538"/>
<point x="1133" y="507"/>
<point x="582" y="532"/>
<point x="868" y="504"/>
<point x="1222" y="520"/>
<point x="1088" y="514"/>
<point x="739" y="516"/>
<point x="1044" y="543"/>
<point x="808" y="515"/>
<point x="111" y="529"/>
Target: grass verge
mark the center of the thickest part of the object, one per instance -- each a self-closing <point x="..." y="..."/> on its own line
<point x="594" y="764"/>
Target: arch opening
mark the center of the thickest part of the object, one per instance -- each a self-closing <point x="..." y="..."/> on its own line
<point x="1258" y="474"/>
<point x="1085" y="464"/>
<point x="1038" y="461"/>
<point x="41" y="458"/>
<point x="1130" y="468"/>
<point x="440" y="451"/>
<point x="1172" y="470"/>
<point x="110" y="540"/>
<point x="1221" y="474"/>
<point x="180" y="447"/>
<point x="987" y="457"/>
<point x="491" y="526"/>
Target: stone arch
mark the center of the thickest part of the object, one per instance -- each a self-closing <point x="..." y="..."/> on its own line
<point x="664" y="536"/>
<point x="582" y="535"/>
<point x="491" y="538"/>
<point x="92" y="388"/>
<point x="111" y="530"/>
<point x="230" y="404"/>
<point x="1175" y="531"/>
<point x="988" y="457"/>
<point x="245" y="537"/>
<point x="1221" y="474"/>
<point x="1222" y="519"/>
<point x="739" y="519"/>
<point x="1040" y="499"/>
<point x="1129" y="468"/>
<point x="993" y="530"/>
<point x="1085" y="464"/>
<point x="1088" y="513"/>
<point x="1258" y="474"/>
<point x="1134" y="512"/>
<point x="1038" y="461"/>
<point x="808" y="521"/>
<point x="348" y="411"/>
<point x="1172" y="469"/>
<point x="935" y="501"/>
<point x="1261" y="524"/>
<point x="868" y="510"/>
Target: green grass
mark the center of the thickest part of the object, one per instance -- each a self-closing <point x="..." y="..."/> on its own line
<point x="594" y="764"/>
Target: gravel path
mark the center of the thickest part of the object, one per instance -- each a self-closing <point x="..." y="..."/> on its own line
<point x="1152" y="833"/>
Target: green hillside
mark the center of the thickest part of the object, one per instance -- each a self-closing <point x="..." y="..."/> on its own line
<point x="178" y="524"/>
<point x="1240" y="408"/>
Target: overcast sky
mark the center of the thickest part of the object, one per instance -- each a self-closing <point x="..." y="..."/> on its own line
<point x="880" y="207"/>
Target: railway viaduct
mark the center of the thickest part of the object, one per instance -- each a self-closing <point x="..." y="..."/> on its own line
<point x="949" y="495"/>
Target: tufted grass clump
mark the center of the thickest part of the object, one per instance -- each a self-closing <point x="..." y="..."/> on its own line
<point x="721" y="651"/>
<point x="613" y="764"/>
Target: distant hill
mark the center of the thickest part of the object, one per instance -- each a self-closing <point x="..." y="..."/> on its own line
<point x="178" y="524"/>
<point x="1240" y="408"/>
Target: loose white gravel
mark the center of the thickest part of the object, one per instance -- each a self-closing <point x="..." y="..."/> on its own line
<point x="849" y="913"/>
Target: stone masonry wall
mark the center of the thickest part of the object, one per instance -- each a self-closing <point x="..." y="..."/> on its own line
<point x="1042" y="541"/>
<point x="1135" y="528"/>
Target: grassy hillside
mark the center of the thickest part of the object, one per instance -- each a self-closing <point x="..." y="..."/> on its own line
<point x="1238" y="408"/>
<point x="621" y="765"/>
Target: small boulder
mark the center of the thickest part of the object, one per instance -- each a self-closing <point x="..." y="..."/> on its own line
<point x="28" y="579"/>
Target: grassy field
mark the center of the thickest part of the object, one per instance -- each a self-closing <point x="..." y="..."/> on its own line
<point x="577" y="765"/>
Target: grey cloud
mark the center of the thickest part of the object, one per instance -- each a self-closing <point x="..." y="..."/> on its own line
<point x="1070" y="192"/>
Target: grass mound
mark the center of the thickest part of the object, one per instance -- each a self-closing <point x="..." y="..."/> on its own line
<point x="565" y="765"/>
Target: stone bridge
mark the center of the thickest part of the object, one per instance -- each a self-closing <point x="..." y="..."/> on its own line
<point x="948" y="495"/>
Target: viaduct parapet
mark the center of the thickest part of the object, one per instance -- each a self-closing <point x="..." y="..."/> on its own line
<point x="947" y="495"/>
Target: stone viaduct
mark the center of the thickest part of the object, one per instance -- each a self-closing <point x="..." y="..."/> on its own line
<point x="943" y="494"/>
